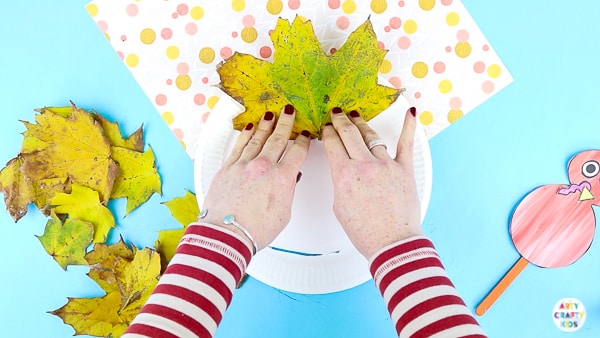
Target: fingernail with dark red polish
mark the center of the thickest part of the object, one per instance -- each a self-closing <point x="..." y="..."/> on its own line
<point x="269" y="116"/>
<point x="328" y="124"/>
<point x="413" y="111"/>
<point x="289" y="109"/>
<point x="305" y="133"/>
<point x="249" y="126"/>
<point x="299" y="176"/>
<point x="336" y="110"/>
<point x="354" y="113"/>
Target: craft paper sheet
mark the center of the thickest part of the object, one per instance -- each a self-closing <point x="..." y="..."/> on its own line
<point x="172" y="48"/>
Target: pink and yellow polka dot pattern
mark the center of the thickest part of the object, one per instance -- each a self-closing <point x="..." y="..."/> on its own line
<point x="172" y="48"/>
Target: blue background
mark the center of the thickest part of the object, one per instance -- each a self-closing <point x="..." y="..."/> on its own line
<point x="483" y="165"/>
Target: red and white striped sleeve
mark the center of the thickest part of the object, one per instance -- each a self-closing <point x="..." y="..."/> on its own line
<point x="197" y="286"/>
<point x="421" y="299"/>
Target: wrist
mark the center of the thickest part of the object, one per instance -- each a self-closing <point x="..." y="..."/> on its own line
<point x="228" y="222"/>
<point x="371" y="248"/>
<point x="219" y="224"/>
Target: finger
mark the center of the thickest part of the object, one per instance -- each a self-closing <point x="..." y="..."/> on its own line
<point x="368" y="135"/>
<point x="255" y="144"/>
<point x="334" y="147"/>
<point x="240" y="144"/>
<point x="278" y="140"/>
<point x="296" y="154"/>
<point x="349" y="134"/>
<point x="404" y="152"/>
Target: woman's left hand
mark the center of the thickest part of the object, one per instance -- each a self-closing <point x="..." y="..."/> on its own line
<point x="257" y="181"/>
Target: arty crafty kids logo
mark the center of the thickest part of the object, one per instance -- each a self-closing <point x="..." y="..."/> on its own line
<point x="569" y="314"/>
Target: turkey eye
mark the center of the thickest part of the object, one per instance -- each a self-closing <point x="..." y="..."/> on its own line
<point x="590" y="169"/>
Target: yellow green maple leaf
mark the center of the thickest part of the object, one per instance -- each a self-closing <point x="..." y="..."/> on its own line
<point x="109" y="316"/>
<point x="138" y="177"/>
<point x="185" y="210"/>
<point x="73" y="146"/>
<point x="84" y="203"/>
<point x="135" y="141"/>
<point x="67" y="242"/>
<point x="303" y="75"/>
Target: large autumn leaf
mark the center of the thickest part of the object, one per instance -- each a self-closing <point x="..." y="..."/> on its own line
<point x="185" y="210"/>
<point x="84" y="204"/>
<point x="20" y="190"/>
<point x="138" y="177"/>
<point x="132" y="282"/>
<point x="303" y="75"/>
<point x="73" y="146"/>
<point x="67" y="242"/>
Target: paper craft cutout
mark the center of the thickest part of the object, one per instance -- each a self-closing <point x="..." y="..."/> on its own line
<point x="172" y="48"/>
<point x="553" y="226"/>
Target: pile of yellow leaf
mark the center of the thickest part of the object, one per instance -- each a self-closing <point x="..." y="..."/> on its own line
<point x="71" y="163"/>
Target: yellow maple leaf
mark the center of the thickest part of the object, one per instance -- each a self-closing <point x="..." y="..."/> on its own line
<point x="64" y="111"/>
<point x="303" y="75"/>
<point x="67" y="242"/>
<point x="73" y="146"/>
<point x="167" y="243"/>
<point x="19" y="190"/>
<point x="83" y="203"/>
<point x="138" y="279"/>
<point x="185" y="210"/>
<point x="45" y="189"/>
<point x="138" y="177"/>
<point x="90" y="316"/>
<point x="109" y="316"/>
<point x="135" y="141"/>
<point x="107" y="262"/>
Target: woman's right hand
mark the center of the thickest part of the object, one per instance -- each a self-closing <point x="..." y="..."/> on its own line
<point x="375" y="196"/>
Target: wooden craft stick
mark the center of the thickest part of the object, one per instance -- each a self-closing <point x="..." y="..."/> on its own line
<point x="508" y="278"/>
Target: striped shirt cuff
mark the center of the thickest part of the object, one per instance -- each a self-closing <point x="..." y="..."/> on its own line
<point x="421" y="299"/>
<point x="197" y="286"/>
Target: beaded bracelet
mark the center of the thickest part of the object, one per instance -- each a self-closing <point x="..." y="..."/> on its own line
<point x="229" y="219"/>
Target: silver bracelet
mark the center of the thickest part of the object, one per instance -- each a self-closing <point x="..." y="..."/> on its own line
<point x="229" y="219"/>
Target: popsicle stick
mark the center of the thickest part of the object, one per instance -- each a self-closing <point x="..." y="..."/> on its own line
<point x="508" y="278"/>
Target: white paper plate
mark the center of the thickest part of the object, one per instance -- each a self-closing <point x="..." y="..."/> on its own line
<point x="313" y="254"/>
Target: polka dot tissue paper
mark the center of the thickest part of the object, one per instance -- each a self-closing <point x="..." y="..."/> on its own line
<point x="172" y="48"/>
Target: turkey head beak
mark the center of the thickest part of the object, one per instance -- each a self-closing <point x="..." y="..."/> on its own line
<point x="586" y="195"/>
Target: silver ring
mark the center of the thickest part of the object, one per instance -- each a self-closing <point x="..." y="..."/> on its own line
<point x="376" y="142"/>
